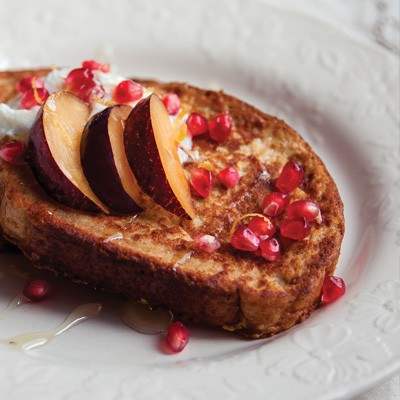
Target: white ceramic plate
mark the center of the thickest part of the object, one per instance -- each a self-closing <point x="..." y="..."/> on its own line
<point x="340" y="94"/>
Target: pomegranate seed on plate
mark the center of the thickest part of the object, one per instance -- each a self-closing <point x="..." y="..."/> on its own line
<point x="37" y="290"/>
<point x="13" y="153"/>
<point x="33" y="97"/>
<point x="177" y="337"/>
<point x="96" y="66"/>
<point x="220" y="127"/>
<point x="29" y="83"/>
<point x="296" y="228"/>
<point x="127" y="92"/>
<point x="244" y="239"/>
<point x="196" y="124"/>
<point x="263" y="227"/>
<point x="291" y="177"/>
<point x="229" y="177"/>
<point x="333" y="288"/>
<point x="207" y="243"/>
<point x="270" y="249"/>
<point x="275" y="203"/>
<point x="202" y="180"/>
<point x="303" y="208"/>
<point x="172" y="103"/>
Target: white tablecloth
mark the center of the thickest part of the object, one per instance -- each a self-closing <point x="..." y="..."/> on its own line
<point x="377" y="21"/>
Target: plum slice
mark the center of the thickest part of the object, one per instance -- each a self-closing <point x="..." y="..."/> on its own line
<point x="152" y="153"/>
<point x="104" y="161"/>
<point x="54" y="152"/>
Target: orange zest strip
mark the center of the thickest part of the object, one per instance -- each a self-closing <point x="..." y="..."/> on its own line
<point x="232" y="231"/>
<point x="179" y="118"/>
<point x="104" y="102"/>
<point x="35" y="93"/>
<point x="180" y="135"/>
<point x="206" y="165"/>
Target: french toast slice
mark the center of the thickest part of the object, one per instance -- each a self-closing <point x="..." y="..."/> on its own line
<point x="151" y="257"/>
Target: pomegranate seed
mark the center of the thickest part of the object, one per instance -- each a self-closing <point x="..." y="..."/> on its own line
<point x="303" y="208"/>
<point x="29" y="83"/>
<point x="220" y="127"/>
<point x="33" y="97"/>
<point x="13" y="153"/>
<point x="270" y="249"/>
<point x="207" y="243"/>
<point x="202" y="180"/>
<point x="245" y="239"/>
<point x="37" y="290"/>
<point x="196" y="124"/>
<point x="127" y="92"/>
<point x="172" y="103"/>
<point x="81" y="82"/>
<point x="333" y="288"/>
<point x="263" y="228"/>
<point x="177" y="337"/>
<point x="229" y="177"/>
<point x="296" y="228"/>
<point x="275" y="203"/>
<point x="291" y="177"/>
<point x="96" y="66"/>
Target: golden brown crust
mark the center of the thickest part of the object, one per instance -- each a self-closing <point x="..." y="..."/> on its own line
<point x="155" y="259"/>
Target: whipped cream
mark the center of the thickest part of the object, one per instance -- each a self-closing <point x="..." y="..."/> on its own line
<point x="16" y="123"/>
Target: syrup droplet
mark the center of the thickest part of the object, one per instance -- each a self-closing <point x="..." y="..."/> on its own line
<point x="14" y="303"/>
<point x="143" y="319"/>
<point x="34" y="340"/>
<point x="116" y="236"/>
<point x="183" y="259"/>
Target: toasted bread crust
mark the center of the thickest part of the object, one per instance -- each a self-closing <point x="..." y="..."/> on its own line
<point x="152" y="257"/>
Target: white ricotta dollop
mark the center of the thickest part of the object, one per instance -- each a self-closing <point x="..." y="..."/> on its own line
<point x="16" y="123"/>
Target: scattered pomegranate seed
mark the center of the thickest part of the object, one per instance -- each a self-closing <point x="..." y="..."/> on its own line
<point x="207" y="243"/>
<point x="220" y="127"/>
<point x="296" y="228"/>
<point x="333" y="288"/>
<point x="303" y="208"/>
<point x="177" y="337"/>
<point x="33" y="97"/>
<point x="270" y="249"/>
<point x="13" y="153"/>
<point x="127" y="92"/>
<point x="244" y="239"/>
<point x="96" y="66"/>
<point x="229" y="177"/>
<point x="172" y="103"/>
<point x="37" y="290"/>
<point x="275" y="203"/>
<point x="263" y="228"/>
<point x="81" y="82"/>
<point x="196" y="124"/>
<point x="202" y="180"/>
<point x="291" y="177"/>
<point x="29" y="83"/>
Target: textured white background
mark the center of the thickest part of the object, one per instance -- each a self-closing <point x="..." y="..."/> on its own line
<point x="376" y="21"/>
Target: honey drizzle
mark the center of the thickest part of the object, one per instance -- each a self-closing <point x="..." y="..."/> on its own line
<point x="34" y="340"/>
<point x="143" y="319"/>
<point x="14" y="303"/>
